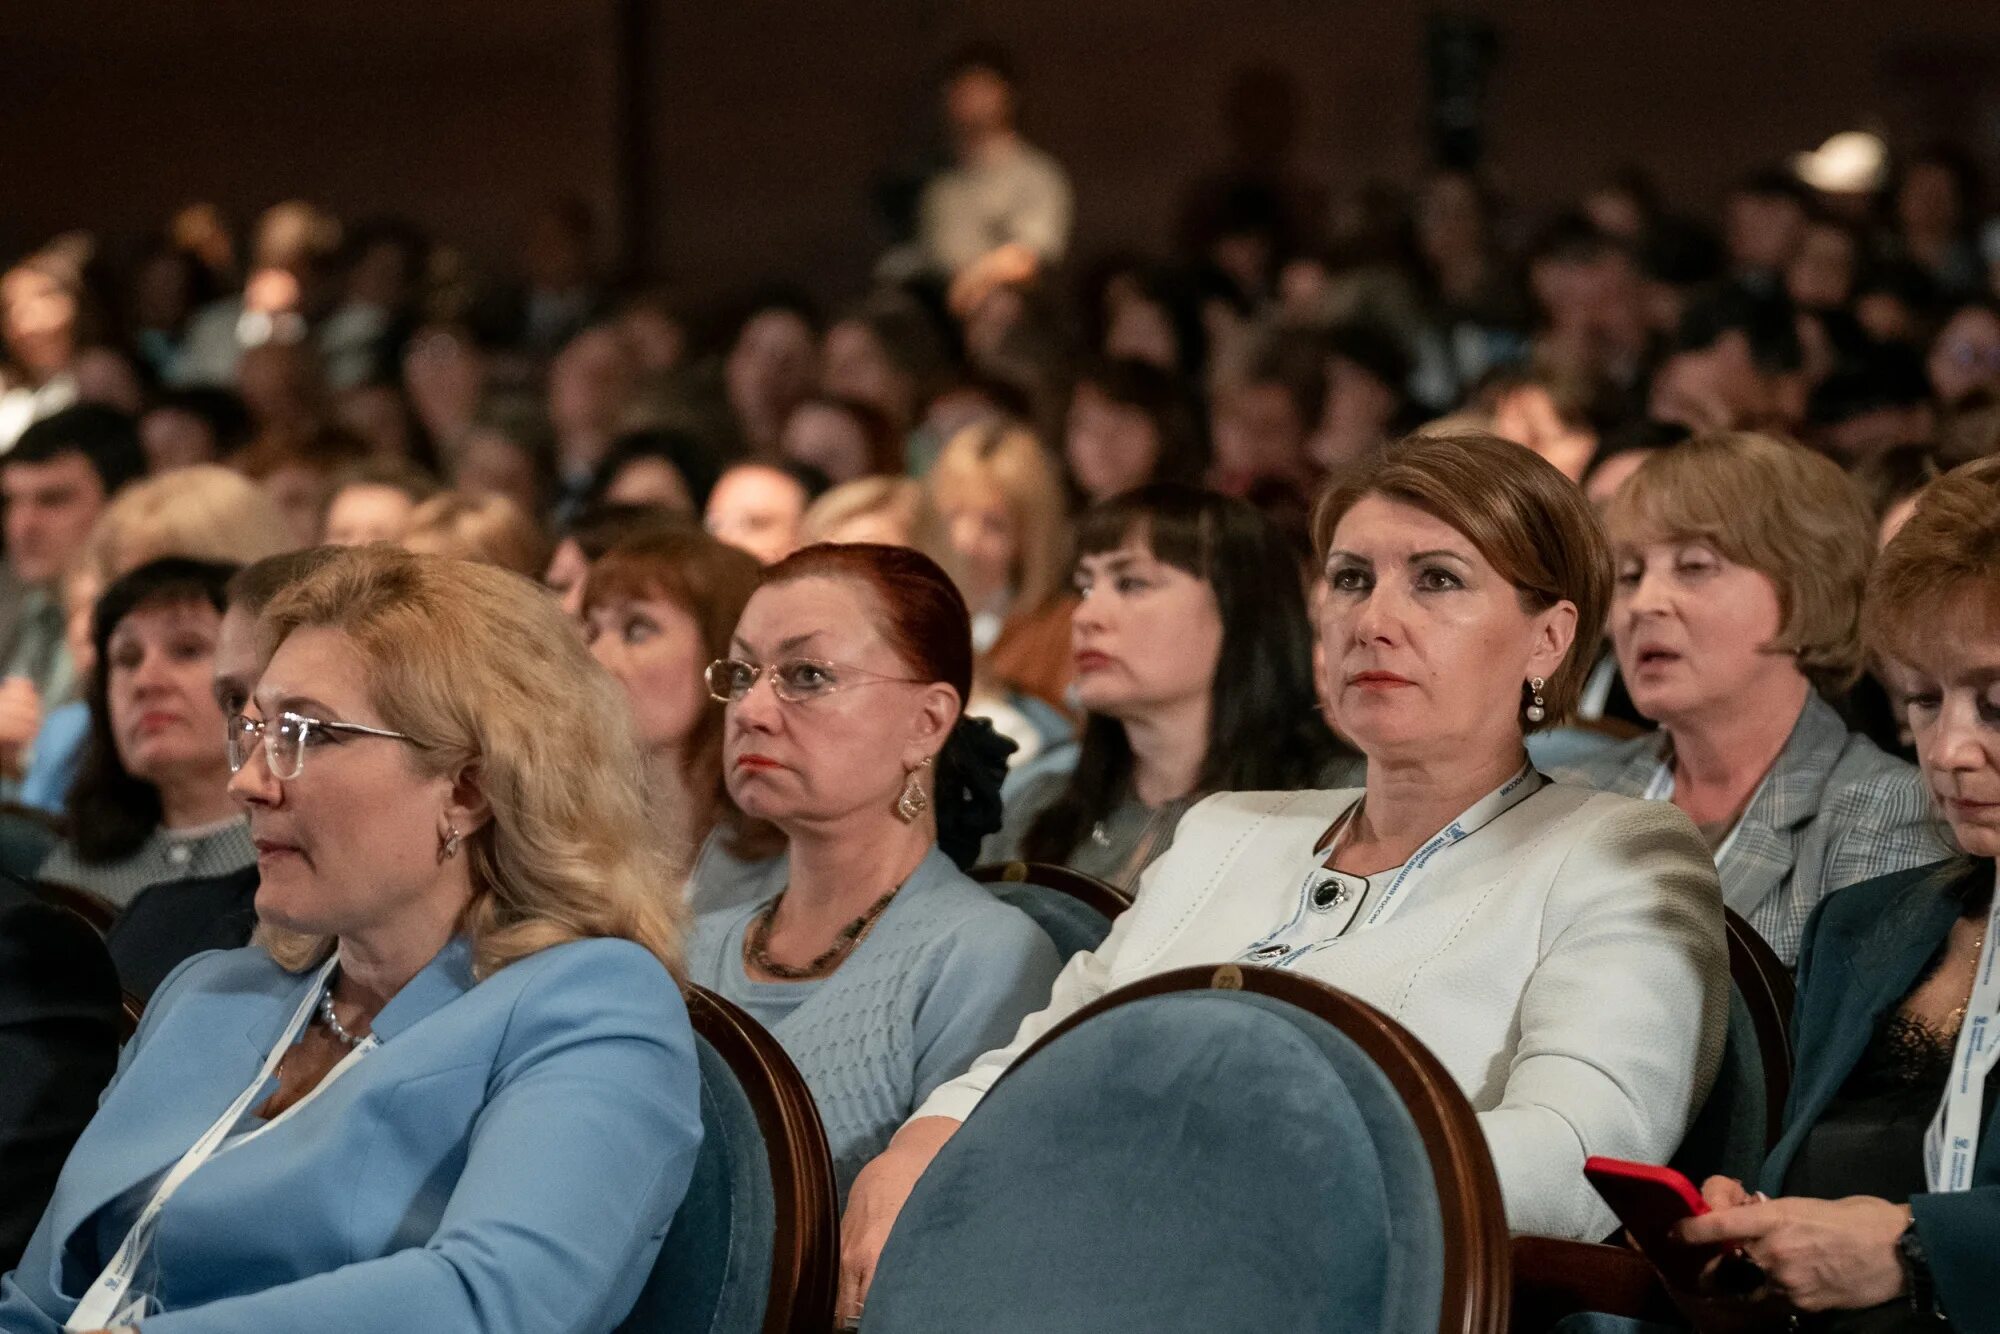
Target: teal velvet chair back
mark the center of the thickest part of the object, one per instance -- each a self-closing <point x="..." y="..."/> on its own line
<point x="753" y="1247"/>
<point x="1728" y="1135"/>
<point x="1076" y="910"/>
<point x="1744" y="1113"/>
<point x="1184" y="1155"/>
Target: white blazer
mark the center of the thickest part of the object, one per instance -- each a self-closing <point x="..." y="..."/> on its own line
<point x="1567" y="963"/>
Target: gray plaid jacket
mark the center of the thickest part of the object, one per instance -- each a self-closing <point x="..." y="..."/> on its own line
<point x="1834" y="811"/>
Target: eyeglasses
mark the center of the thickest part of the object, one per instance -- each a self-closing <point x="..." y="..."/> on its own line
<point x="795" y="680"/>
<point x="287" y="738"/>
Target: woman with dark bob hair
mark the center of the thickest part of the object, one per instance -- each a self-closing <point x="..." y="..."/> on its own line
<point x="1194" y="661"/>
<point x="150" y="803"/>
<point x="864" y="948"/>
<point x="451" y="1084"/>
<point x="1560" y="950"/>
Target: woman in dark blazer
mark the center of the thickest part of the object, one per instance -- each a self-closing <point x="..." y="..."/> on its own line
<point x="1886" y="1214"/>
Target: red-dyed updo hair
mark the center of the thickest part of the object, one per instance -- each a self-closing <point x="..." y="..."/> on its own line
<point x="922" y="617"/>
<point x="921" y="614"/>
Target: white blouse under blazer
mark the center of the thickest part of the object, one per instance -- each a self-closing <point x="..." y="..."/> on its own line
<point x="1566" y="962"/>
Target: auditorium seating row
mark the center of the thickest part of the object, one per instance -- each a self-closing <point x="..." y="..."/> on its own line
<point x="1217" y="1148"/>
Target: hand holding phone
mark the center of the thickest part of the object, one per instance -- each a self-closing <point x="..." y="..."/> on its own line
<point x="1650" y="1201"/>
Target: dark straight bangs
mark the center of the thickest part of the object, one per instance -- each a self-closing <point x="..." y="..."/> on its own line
<point x="1174" y="522"/>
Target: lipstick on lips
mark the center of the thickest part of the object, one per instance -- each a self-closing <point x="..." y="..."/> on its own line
<point x="756" y="762"/>
<point x="1090" y="660"/>
<point x="1377" y="680"/>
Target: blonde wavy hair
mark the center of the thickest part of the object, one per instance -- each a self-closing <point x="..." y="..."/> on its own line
<point x="1006" y="458"/>
<point x="205" y="512"/>
<point x="570" y="852"/>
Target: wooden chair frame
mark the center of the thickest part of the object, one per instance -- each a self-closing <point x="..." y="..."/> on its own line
<point x="1100" y="895"/>
<point x="805" y="1255"/>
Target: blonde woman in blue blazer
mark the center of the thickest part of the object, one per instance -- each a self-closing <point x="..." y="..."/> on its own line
<point x="451" y="1086"/>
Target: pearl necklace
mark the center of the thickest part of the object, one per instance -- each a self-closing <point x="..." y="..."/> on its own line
<point x="332" y="1020"/>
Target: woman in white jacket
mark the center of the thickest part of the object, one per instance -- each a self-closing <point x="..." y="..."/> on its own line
<point x="1561" y="951"/>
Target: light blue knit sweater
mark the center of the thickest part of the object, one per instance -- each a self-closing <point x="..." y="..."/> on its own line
<point x="947" y="974"/>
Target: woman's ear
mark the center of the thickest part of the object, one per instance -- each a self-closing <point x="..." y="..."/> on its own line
<point x="932" y="724"/>
<point x="1554" y="634"/>
<point x="468" y="810"/>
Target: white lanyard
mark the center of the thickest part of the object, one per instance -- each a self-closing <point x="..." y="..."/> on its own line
<point x="1953" y="1140"/>
<point x="105" y="1304"/>
<point x="1297" y="938"/>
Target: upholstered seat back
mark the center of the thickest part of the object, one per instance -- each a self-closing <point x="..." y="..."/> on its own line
<point x="1072" y="924"/>
<point x="1729" y="1134"/>
<point x="1198" y="1160"/>
<point x="714" y="1272"/>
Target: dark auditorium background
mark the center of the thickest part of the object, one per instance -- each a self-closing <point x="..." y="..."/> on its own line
<point x="728" y="139"/>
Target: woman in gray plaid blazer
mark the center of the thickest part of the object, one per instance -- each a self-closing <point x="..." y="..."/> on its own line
<point x="1740" y="562"/>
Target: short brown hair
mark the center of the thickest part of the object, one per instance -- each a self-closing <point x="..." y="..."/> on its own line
<point x="1782" y="510"/>
<point x="1529" y="521"/>
<point x="1947" y="553"/>
<point x="710" y="581"/>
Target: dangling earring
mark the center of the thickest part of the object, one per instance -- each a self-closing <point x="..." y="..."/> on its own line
<point x="913" y="803"/>
<point x="1536" y="709"/>
<point x="448" y="845"/>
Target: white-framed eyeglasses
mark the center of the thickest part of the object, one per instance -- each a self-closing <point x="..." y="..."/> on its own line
<point x="794" y="680"/>
<point x="287" y="738"/>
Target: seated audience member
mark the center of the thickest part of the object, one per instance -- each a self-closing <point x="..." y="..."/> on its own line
<point x="1131" y="423"/>
<point x="489" y="529"/>
<point x="887" y="352"/>
<point x="1264" y="415"/>
<point x="58" y="1046"/>
<point x="1588" y="925"/>
<point x="674" y="470"/>
<point x="657" y="610"/>
<point x="1002" y="532"/>
<point x="1891" y="483"/>
<point x="189" y="426"/>
<point x="1879" y="402"/>
<point x="759" y="506"/>
<point x="1194" y="664"/>
<point x="1548" y="411"/>
<point x="1741" y="561"/>
<point x="204" y="513"/>
<point x="1367" y="395"/>
<point x="461" y="928"/>
<point x="149" y="801"/>
<point x="1964" y="360"/>
<point x="864" y="950"/>
<point x="300" y="472"/>
<point x="594" y="530"/>
<point x="375" y="503"/>
<point x="1861" y="1226"/>
<point x="771" y="366"/>
<point x="888" y="511"/>
<point x="55" y="482"/>
<point x="1003" y="210"/>
<point x="175" y="920"/>
<point x="843" y="438"/>
<point x="507" y="450"/>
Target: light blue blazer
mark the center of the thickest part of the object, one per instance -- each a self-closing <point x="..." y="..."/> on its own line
<point x="508" y="1159"/>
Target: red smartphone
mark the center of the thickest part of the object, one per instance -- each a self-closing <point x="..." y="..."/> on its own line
<point x="1649" y="1200"/>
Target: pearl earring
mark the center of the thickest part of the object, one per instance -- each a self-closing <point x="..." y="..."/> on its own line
<point x="1536" y="707"/>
